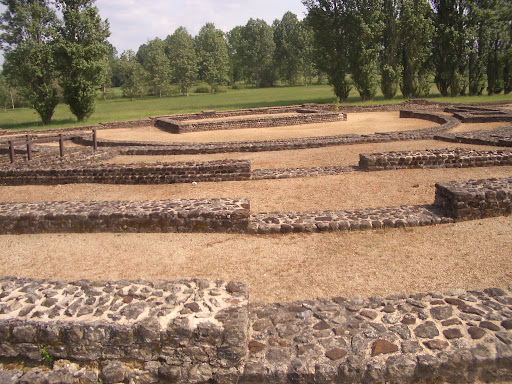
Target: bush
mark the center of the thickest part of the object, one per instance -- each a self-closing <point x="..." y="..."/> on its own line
<point x="220" y="89"/>
<point x="237" y="86"/>
<point x="203" y="88"/>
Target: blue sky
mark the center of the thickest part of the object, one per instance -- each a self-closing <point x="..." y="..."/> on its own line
<point x="133" y="22"/>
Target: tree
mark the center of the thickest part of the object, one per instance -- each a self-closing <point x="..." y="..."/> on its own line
<point x="258" y="48"/>
<point x="450" y="49"/>
<point x="28" y="31"/>
<point x="5" y="95"/>
<point x="329" y="22"/>
<point x="289" y="42"/>
<point x="307" y="59"/>
<point x="390" y="55"/>
<point x="416" y="31"/>
<point x="179" y="48"/>
<point x="109" y="69"/>
<point x="235" y="51"/>
<point x="212" y="53"/>
<point x="132" y="75"/>
<point x="364" y="31"/>
<point x="507" y="70"/>
<point x="81" y="54"/>
<point x="156" y="63"/>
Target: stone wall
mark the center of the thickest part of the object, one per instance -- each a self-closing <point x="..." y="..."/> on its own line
<point x="174" y="125"/>
<point x="454" y="201"/>
<point x="203" y="215"/>
<point x="434" y="158"/>
<point x="139" y="173"/>
<point x="181" y="331"/>
<point x="157" y="148"/>
<point x="475" y="199"/>
<point x="197" y="331"/>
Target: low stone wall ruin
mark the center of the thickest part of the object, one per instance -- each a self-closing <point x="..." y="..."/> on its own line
<point x="203" y="215"/>
<point x="454" y="201"/>
<point x="157" y="148"/>
<point x="300" y="117"/>
<point x="434" y="158"/>
<point x="198" y="331"/>
<point x="155" y="173"/>
<point x="475" y="199"/>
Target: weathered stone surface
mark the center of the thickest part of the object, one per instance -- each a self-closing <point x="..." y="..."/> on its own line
<point x="336" y="354"/>
<point x="427" y="330"/>
<point x="383" y="347"/>
<point x="436" y="344"/>
<point x="453" y="333"/>
<point x="247" y="343"/>
<point x="441" y="313"/>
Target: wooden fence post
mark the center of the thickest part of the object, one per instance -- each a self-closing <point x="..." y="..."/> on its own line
<point x="94" y="140"/>
<point x="29" y="149"/>
<point x="11" y="150"/>
<point x="61" y="145"/>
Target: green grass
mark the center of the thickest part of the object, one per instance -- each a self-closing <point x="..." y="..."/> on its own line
<point x="118" y="109"/>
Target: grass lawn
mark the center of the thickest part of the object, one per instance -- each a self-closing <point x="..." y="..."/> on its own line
<point x="117" y="109"/>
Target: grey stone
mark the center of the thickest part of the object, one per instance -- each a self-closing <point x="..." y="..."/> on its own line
<point x="402" y="330"/>
<point x="411" y="346"/>
<point x="441" y="313"/>
<point x="114" y="372"/>
<point x="505" y="337"/>
<point x="10" y="377"/>
<point x="427" y="330"/>
<point x="400" y="368"/>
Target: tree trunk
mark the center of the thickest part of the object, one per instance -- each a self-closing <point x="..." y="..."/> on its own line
<point x="12" y="99"/>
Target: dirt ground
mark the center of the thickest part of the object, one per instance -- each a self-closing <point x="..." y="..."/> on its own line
<point x="305" y="158"/>
<point x="469" y="255"/>
<point x="360" y="123"/>
<point x="348" y="191"/>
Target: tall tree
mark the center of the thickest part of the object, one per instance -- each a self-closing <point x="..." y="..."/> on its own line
<point x="416" y="31"/>
<point x="156" y="63"/>
<point x="307" y="58"/>
<point x="132" y="75"/>
<point x="259" y="48"/>
<point x="289" y="43"/>
<point x="179" y="48"/>
<point x="450" y="49"/>
<point x="390" y="55"/>
<point x="329" y="20"/>
<point x="238" y="67"/>
<point x="507" y="70"/>
<point x="365" y="29"/>
<point x="81" y="53"/>
<point x="28" y="31"/>
<point x="212" y="52"/>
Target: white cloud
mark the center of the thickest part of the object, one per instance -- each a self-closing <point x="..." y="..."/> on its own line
<point x="133" y="22"/>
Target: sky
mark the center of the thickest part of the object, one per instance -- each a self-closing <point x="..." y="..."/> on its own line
<point x="134" y="22"/>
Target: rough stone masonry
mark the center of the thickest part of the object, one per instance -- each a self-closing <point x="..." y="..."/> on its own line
<point x="198" y="331"/>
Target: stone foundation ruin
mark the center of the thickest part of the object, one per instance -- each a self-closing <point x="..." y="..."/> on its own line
<point x="198" y="331"/>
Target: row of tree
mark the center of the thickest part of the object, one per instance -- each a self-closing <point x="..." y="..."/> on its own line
<point x="45" y="54"/>
<point x="465" y="44"/>
<point x="256" y="52"/>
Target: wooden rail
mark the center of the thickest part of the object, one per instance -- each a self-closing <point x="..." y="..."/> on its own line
<point x="28" y="141"/>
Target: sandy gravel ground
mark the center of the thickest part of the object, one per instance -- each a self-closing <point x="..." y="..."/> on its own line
<point x="304" y="158"/>
<point x="360" y="123"/>
<point x="243" y="117"/>
<point x="468" y="127"/>
<point x="347" y="191"/>
<point x="281" y="268"/>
